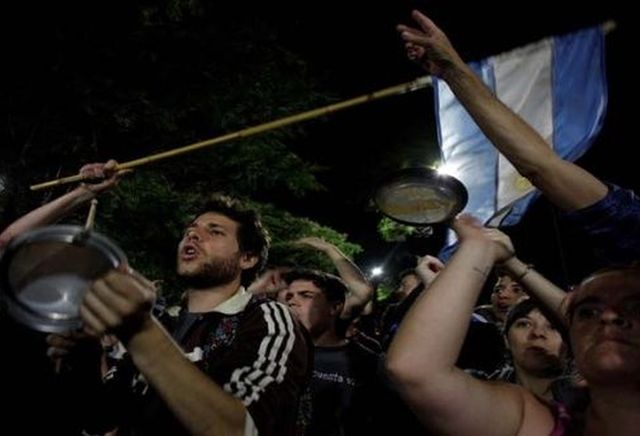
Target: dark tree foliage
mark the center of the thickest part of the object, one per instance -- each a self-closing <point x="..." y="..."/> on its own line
<point x="88" y="81"/>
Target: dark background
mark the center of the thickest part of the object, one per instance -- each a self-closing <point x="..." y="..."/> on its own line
<point x="352" y="48"/>
<point x="362" y="51"/>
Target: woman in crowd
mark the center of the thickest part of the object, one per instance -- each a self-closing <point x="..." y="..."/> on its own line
<point x="603" y="315"/>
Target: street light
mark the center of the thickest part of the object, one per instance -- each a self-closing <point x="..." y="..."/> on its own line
<point x="376" y="271"/>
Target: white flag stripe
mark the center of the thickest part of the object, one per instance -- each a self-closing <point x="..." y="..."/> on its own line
<point x="523" y="82"/>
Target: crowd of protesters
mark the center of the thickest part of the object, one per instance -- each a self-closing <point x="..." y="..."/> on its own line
<point x="294" y="351"/>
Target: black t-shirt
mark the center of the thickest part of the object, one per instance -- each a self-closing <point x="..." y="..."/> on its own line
<point x="343" y="390"/>
<point x="394" y="314"/>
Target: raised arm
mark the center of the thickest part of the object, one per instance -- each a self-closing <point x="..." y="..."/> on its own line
<point x="537" y="285"/>
<point x="264" y="377"/>
<point x="270" y="281"/>
<point x="423" y="353"/>
<point x="67" y="203"/>
<point x="566" y="185"/>
<point x="360" y="289"/>
<point x="121" y="303"/>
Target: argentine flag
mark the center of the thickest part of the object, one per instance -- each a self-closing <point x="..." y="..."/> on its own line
<point x="558" y="85"/>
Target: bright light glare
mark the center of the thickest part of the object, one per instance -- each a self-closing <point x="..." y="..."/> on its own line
<point x="376" y="271"/>
<point x="447" y="169"/>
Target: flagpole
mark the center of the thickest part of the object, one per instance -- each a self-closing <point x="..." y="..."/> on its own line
<point x="403" y="88"/>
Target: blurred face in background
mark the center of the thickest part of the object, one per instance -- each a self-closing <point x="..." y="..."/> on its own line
<point x="506" y="293"/>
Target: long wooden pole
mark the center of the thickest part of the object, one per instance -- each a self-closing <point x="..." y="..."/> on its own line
<point x="419" y="83"/>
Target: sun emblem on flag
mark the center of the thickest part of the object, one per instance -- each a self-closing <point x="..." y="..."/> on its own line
<point x="523" y="184"/>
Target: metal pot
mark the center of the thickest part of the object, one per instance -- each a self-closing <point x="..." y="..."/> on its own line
<point x="44" y="274"/>
<point x="420" y="196"/>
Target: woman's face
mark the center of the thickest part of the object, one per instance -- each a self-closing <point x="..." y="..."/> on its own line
<point x="536" y="346"/>
<point x="605" y="327"/>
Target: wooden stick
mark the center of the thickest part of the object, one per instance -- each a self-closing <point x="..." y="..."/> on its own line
<point x="419" y="83"/>
<point x="91" y="218"/>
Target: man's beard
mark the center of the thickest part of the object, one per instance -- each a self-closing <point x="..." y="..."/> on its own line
<point x="213" y="273"/>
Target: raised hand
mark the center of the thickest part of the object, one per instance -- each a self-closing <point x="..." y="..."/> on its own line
<point x="428" y="268"/>
<point x="119" y="303"/>
<point x="270" y="281"/>
<point x="428" y="45"/>
<point x="315" y="242"/>
<point x="101" y="176"/>
<point x="470" y="230"/>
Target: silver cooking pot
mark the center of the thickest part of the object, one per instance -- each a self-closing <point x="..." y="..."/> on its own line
<point x="44" y="274"/>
